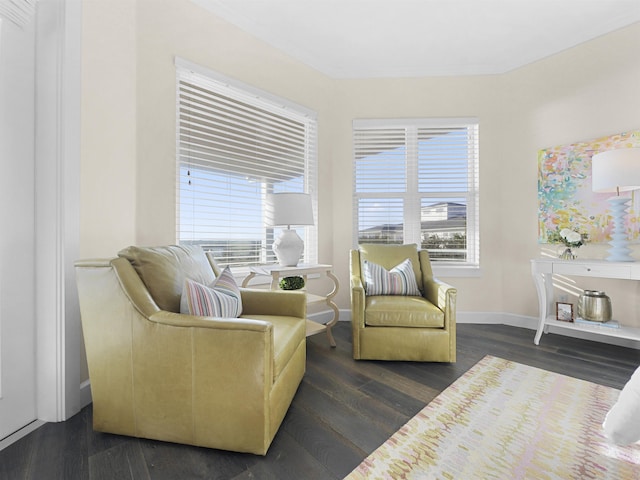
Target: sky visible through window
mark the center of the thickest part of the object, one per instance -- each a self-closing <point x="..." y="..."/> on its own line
<point x="213" y="199"/>
<point x="219" y="192"/>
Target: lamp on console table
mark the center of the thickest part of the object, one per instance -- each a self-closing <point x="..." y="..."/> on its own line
<point x="290" y="209"/>
<point x="617" y="171"/>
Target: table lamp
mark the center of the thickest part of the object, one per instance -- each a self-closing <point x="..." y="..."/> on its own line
<point x="290" y="209"/>
<point x="617" y="171"/>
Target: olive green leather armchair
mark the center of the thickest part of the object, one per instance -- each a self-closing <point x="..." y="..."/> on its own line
<point x="396" y="327"/>
<point x="223" y="383"/>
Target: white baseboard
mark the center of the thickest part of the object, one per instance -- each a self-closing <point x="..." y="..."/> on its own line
<point x="524" y="321"/>
<point x="531" y="323"/>
<point x="495" y="318"/>
<point x="490" y="318"/>
<point x="325" y="316"/>
<point x="498" y="318"/>
<point x="23" y="432"/>
<point x="85" y="399"/>
<point x="480" y="318"/>
<point x="85" y="393"/>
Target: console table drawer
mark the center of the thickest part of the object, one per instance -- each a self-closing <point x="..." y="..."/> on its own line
<point x="593" y="270"/>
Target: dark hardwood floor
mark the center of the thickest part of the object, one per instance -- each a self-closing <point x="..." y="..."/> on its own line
<point x="342" y="411"/>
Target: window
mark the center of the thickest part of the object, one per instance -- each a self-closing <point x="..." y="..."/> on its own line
<point x="237" y="145"/>
<point x="19" y="12"/>
<point x="416" y="181"/>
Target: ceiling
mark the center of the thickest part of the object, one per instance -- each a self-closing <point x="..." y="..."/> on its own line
<point x="416" y="38"/>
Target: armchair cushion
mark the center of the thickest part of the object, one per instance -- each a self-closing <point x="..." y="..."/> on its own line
<point x="400" y="280"/>
<point x="395" y="311"/>
<point x="163" y="270"/>
<point x="220" y="299"/>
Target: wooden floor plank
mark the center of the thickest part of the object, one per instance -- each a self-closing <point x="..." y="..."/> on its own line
<point x="372" y="396"/>
<point x="286" y="459"/>
<point x="169" y="461"/>
<point x="335" y="452"/>
<point x="342" y="411"/>
<point x="343" y="419"/>
<point x="373" y="370"/>
<point x="124" y="462"/>
<point x="16" y="459"/>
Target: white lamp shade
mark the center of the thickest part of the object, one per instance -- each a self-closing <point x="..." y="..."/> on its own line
<point x="616" y="170"/>
<point x="291" y="209"/>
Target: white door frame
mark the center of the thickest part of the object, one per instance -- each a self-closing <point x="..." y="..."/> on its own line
<point x="58" y="331"/>
<point x="58" y="343"/>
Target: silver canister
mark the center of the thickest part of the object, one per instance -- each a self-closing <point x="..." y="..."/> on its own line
<point x="594" y="306"/>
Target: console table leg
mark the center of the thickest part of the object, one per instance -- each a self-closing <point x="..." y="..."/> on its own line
<point x="330" y="324"/>
<point x="541" y="286"/>
<point x="334" y="307"/>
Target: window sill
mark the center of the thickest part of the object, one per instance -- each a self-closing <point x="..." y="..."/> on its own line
<point x="466" y="271"/>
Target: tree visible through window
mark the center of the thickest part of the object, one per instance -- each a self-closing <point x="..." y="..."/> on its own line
<point x="235" y="147"/>
<point x="416" y="181"/>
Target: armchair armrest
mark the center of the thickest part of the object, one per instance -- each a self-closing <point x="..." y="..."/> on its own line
<point x="191" y="321"/>
<point x="244" y="340"/>
<point x="273" y="302"/>
<point x="443" y="296"/>
<point x="358" y="297"/>
<point x="215" y="371"/>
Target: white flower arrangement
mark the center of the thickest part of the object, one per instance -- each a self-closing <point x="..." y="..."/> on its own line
<point x="570" y="238"/>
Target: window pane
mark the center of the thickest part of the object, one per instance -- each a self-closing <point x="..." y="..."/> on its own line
<point x="444" y="228"/>
<point x="416" y="180"/>
<point x="380" y="164"/>
<point x="234" y="149"/>
<point x="224" y="214"/>
<point x="380" y="220"/>
<point x="443" y="160"/>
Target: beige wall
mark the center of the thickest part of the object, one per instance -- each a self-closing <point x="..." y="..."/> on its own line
<point x="580" y="94"/>
<point x="108" y="131"/>
<point x="428" y="97"/>
<point x="585" y="92"/>
<point x="171" y="28"/>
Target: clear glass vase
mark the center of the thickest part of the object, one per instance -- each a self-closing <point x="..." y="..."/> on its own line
<point x="567" y="254"/>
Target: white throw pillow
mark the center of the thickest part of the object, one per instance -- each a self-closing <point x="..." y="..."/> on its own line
<point x="400" y="280"/>
<point x="622" y="423"/>
<point x="220" y="299"/>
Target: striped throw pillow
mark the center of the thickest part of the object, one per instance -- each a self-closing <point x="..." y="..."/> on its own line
<point x="400" y="280"/>
<point x="220" y="299"/>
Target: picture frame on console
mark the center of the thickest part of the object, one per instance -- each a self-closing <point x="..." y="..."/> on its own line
<point x="564" y="312"/>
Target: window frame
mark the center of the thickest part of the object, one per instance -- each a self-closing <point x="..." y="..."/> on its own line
<point x="264" y="101"/>
<point x="410" y="195"/>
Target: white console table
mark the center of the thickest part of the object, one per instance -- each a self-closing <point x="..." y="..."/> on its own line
<point x="543" y="270"/>
<point x="276" y="272"/>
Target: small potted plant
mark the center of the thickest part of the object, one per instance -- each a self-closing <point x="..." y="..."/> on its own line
<point x="292" y="283"/>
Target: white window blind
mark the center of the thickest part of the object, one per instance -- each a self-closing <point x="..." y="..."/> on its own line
<point x="236" y="146"/>
<point x="19" y="12"/>
<point x="416" y="181"/>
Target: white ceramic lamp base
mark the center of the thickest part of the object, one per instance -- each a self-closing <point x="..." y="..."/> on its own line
<point x="619" y="251"/>
<point x="288" y="248"/>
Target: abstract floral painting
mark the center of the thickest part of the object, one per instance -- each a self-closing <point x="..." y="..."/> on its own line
<point x="565" y="198"/>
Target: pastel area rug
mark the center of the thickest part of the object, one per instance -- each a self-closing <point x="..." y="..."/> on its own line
<point x="504" y="420"/>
